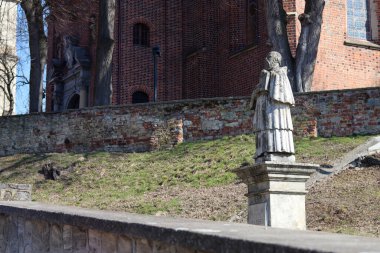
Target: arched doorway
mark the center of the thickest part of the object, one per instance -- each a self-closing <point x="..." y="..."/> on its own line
<point x="139" y="97"/>
<point x="74" y="102"/>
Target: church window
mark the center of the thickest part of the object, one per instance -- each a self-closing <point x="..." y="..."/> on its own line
<point x="252" y="21"/>
<point x="358" y="19"/>
<point x="139" y="97"/>
<point x="141" y="34"/>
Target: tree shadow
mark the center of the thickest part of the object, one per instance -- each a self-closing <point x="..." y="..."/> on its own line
<point x="30" y="159"/>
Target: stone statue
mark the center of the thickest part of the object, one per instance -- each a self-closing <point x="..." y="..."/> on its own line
<point x="272" y="121"/>
<point x="68" y="43"/>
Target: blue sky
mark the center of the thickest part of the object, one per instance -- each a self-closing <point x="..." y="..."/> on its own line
<point x="22" y="92"/>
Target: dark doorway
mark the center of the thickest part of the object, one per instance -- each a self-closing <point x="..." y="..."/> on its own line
<point x="74" y="102"/>
<point x="140" y="97"/>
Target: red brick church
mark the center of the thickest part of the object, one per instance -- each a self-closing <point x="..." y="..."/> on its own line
<point x="207" y="49"/>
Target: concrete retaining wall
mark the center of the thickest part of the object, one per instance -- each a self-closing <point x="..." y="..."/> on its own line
<point x="37" y="228"/>
<point x="148" y="126"/>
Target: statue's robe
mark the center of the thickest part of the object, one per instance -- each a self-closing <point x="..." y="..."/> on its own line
<point x="272" y="121"/>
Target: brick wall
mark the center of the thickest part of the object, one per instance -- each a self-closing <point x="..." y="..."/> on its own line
<point x="206" y="53"/>
<point x="150" y="126"/>
<point x="240" y="61"/>
<point x="133" y="64"/>
<point x="342" y="66"/>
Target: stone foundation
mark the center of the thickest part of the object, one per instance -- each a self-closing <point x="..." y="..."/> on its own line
<point x="38" y="228"/>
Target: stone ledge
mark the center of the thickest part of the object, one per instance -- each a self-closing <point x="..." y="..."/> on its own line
<point x="198" y="234"/>
<point x="362" y="44"/>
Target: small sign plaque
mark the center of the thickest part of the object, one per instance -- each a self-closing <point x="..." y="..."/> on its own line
<point x="258" y="214"/>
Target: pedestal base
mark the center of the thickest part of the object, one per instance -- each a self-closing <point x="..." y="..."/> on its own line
<point x="276" y="193"/>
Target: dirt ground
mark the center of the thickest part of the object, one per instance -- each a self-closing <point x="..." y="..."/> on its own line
<point x="348" y="203"/>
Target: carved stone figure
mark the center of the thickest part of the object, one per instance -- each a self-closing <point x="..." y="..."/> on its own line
<point x="272" y="121"/>
<point x="69" y="43"/>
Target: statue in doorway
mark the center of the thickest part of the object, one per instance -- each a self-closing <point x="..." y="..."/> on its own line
<point x="272" y="120"/>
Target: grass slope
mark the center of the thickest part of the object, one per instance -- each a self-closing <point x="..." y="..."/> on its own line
<point x="190" y="180"/>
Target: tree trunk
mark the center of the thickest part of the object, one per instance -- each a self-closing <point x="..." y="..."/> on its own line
<point x="38" y="51"/>
<point x="278" y="36"/>
<point x="307" y="49"/>
<point x="11" y="101"/>
<point x="104" y="52"/>
<point x="8" y="64"/>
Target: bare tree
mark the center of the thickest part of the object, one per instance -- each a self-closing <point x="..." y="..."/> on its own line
<point x="301" y="67"/>
<point x="8" y="58"/>
<point x="104" y="52"/>
<point x="34" y="12"/>
<point x="8" y="64"/>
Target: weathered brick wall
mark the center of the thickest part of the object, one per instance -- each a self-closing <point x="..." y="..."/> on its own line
<point x="337" y="113"/>
<point x="149" y="126"/>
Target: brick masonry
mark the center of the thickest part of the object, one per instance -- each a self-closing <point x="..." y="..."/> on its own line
<point x="344" y="63"/>
<point x="149" y="126"/>
<point x="206" y="50"/>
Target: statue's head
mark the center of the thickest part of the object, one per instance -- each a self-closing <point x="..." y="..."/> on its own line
<point x="273" y="60"/>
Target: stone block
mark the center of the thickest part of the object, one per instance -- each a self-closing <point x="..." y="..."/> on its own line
<point x="28" y="240"/>
<point x="67" y="237"/>
<point x="94" y="241"/>
<point x="160" y="247"/>
<point x="143" y="246"/>
<point x="3" y="238"/>
<point x="15" y="192"/>
<point x="184" y="250"/>
<point x="56" y="238"/>
<point x="109" y="243"/>
<point x="79" y="238"/>
<point x="124" y="245"/>
<point x="40" y="236"/>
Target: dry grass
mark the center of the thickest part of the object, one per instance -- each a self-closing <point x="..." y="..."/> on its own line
<point x="191" y="180"/>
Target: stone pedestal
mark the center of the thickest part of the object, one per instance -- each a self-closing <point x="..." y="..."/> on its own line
<point x="276" y="193"/>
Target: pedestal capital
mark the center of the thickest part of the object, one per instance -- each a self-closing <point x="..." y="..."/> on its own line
<point x="275" y="171"/>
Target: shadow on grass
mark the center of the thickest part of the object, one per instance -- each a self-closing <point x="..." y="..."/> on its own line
<point x="25" y="161"/>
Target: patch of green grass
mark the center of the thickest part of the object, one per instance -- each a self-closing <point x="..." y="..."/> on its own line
<point x="326" y="150"/>
<point x="151" y="208"/>
<point x="119" y="181"/>
<point x="349" y="231"/>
